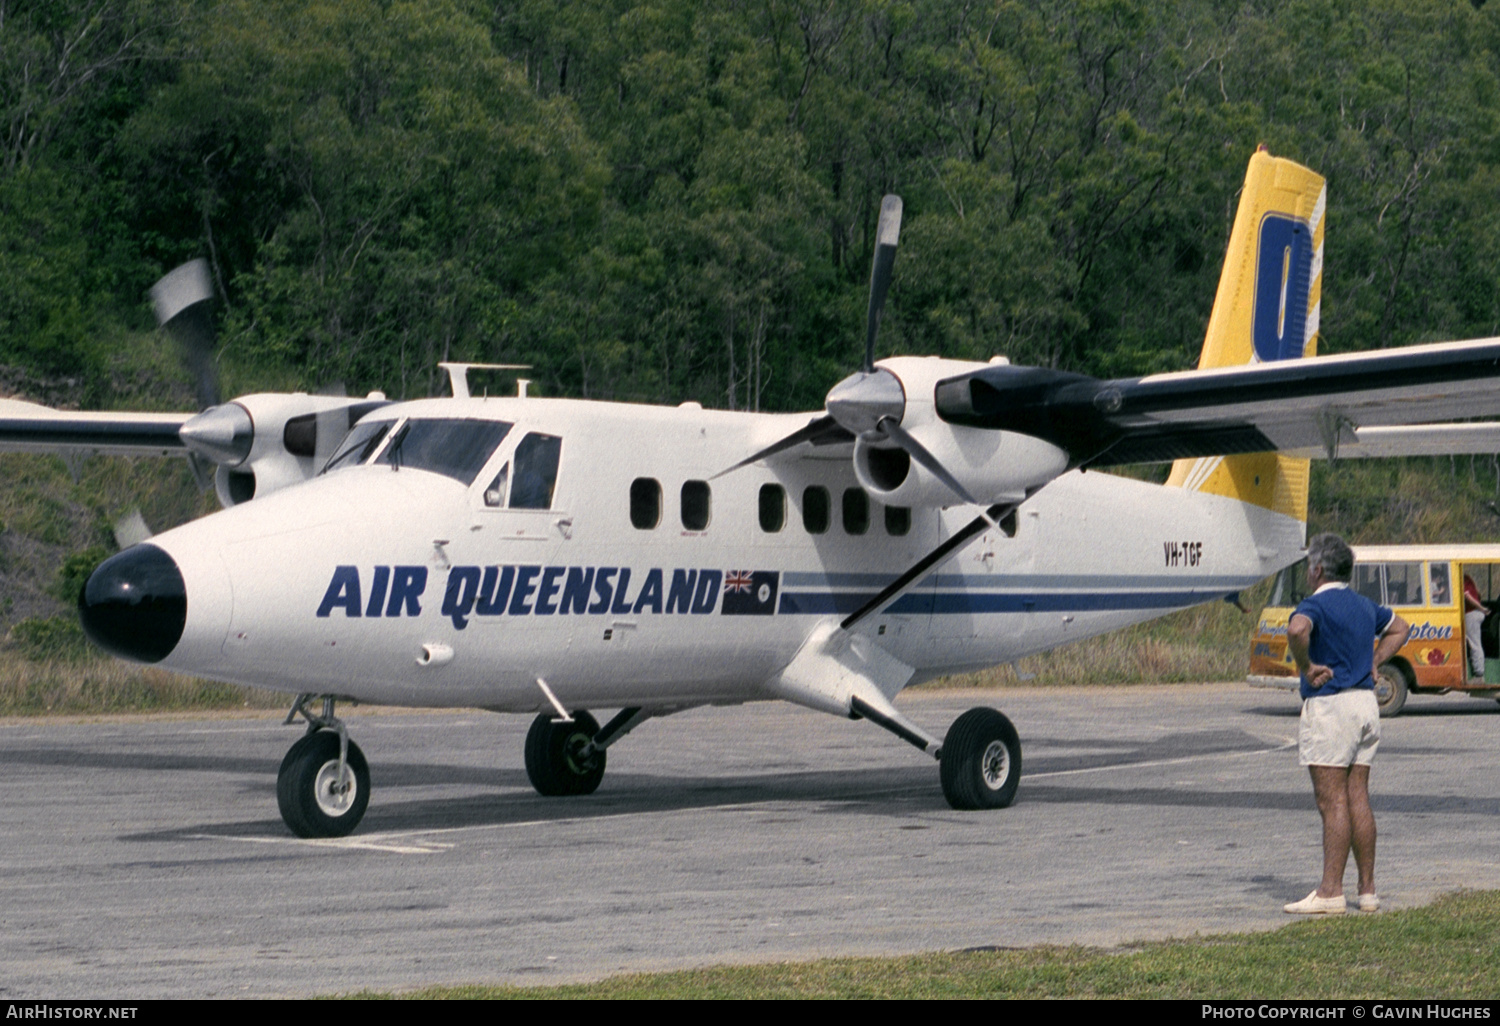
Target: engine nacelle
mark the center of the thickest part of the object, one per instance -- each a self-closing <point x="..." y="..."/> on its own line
<point x="995" y="466"/>
<point x="262" y="443"/>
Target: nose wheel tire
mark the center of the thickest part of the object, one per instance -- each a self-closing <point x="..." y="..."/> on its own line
<point x="314" y="801"/>
<point x="554" y="756"/>
<point x="981" y="761"/>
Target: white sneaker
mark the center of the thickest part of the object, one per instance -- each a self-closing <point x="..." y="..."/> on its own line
<point x="1369" y="902"/>
<point x="1312" y="905"/>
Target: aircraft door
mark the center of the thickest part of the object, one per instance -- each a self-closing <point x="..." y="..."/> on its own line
<point x="517" y="525"/>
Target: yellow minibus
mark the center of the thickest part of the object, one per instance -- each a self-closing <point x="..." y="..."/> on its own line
<point x="1425" y="584"/>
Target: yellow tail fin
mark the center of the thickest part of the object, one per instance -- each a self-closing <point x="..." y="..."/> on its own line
<point x="1266" y="309"/>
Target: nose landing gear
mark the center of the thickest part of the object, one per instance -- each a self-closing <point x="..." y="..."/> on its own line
<point x="323" y="785"/>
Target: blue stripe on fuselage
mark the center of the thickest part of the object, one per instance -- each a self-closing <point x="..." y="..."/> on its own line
<point x="941" y="603"/>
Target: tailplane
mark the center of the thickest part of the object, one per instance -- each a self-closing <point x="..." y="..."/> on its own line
<point x="1266" y="309"/>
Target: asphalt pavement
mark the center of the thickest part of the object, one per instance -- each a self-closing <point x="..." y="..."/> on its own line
<point x="143" y="857"/>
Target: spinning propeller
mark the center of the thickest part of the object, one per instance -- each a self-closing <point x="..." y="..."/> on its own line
<point x="257" y="443"/>
<point x="869" y="404"/>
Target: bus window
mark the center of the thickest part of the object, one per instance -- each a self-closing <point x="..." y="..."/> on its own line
<point x="1367" y="582"/>
<point x="1403" y="584"/>
<point x="1291" y="586"/>
<point x="1442" y="591"/>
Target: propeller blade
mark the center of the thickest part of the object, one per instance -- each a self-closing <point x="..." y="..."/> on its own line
<point x="987" y="519"/>
<point x="131" y="529"/>
<point x="896" y="433"/>
<point x="817" y="428"/>
<point x="887" y="234"/>
<point x="182" y="301"/>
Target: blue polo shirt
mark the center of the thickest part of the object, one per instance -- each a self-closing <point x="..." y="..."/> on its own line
<point x="1345" y="626"/>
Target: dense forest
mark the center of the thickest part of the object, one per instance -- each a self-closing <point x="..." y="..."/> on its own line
<point x="674" y="199"/>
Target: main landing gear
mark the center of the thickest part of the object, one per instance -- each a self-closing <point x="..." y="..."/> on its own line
<point x="323" y="785"/>
<point x="979" y="761"/>
<point x="566" y="755"/>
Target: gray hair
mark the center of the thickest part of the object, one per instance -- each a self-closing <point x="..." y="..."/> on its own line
<point x="1333" y="555"/>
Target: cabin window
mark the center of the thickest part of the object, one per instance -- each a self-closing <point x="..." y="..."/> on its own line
<point x="454" y="448"/>
<point x="856" y="511"/>
<point x="645" y="503"/>
<point x="897" y="520"/>
<point x="815" y="509"/>
<point x="695" y="505"/>
<point x="359" y="444"/>
<point x="536" y="472"/>
<point x="772" y="508"/>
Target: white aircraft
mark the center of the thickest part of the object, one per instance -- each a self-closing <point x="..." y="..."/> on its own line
<point x="551" y="556"/>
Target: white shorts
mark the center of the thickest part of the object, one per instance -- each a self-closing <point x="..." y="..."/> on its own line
<point x="1339" y="730"/>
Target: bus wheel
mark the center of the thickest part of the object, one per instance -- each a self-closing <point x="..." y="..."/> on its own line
<point x="1390" y="689"/>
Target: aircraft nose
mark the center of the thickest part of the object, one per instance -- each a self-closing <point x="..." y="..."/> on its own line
<point x="135" y="605"/>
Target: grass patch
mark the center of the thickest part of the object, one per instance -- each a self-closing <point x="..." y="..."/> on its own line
<point x="89" y="683"/>
<point x="1445" y="950"/>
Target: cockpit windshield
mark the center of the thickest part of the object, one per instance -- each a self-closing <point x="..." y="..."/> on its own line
<point x="455" y="448"/>
<point x="362" y="440"/>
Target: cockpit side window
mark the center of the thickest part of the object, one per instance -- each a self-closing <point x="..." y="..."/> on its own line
<point x="454" y="448"/>
<point x="536" y="472"/>
<point x="361" y="441"/>
<point x="494" y="495"/>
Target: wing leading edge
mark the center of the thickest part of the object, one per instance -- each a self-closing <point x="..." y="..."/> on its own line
<point x="1311" y="405"/>
<point x="29" y="427"/>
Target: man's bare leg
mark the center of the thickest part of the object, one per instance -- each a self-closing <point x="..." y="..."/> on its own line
<point x="1361" y="827"/>
<point x="1331" y="789"/>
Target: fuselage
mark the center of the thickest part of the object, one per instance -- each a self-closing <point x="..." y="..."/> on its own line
<point x="634" y="577"/>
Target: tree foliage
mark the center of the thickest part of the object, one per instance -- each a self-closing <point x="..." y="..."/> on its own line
<point x="672" y="200"/>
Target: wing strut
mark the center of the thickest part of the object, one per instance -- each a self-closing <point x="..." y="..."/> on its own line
<point x="989" y="518"/>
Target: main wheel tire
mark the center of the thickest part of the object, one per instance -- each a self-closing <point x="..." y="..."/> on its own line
<point x="553" y="761"/>
<point x="981" y="761"/>
<point x="308" y="791"/>
<point x="1390" y="689"/>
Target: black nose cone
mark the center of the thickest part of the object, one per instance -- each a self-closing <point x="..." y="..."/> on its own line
<point x="134" y="605"/>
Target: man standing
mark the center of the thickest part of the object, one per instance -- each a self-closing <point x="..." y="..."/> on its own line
<point x="1331" y="636"/>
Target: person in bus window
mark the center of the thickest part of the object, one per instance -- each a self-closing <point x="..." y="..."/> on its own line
<point x="1439" y="585"/>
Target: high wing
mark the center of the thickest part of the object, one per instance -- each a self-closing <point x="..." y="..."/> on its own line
<point x="1313" y="405"/>
<point x="30" y="427"/>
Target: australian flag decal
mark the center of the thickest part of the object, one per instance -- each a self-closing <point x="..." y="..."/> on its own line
<point x="750" y="592"/>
